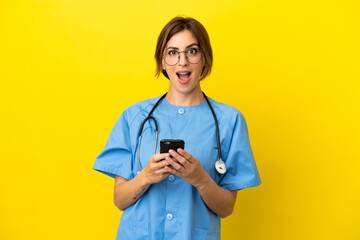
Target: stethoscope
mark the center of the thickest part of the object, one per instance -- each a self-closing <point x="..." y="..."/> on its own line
<point x="219" y="164"/>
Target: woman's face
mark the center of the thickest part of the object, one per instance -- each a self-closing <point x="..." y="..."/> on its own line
<point x="184" y="76"/>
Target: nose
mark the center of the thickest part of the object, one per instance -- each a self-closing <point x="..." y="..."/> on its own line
<point x="183" y="59"/>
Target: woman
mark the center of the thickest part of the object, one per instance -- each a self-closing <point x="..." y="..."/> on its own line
<point x="179" y="194"/>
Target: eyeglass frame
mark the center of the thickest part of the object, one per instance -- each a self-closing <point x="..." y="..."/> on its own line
<point x="185" y="56"/>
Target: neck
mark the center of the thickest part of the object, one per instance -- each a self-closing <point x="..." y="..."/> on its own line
<point x="193" y="98"/>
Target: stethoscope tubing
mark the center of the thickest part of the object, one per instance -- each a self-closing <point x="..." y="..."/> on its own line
<point x="219" y="165"/>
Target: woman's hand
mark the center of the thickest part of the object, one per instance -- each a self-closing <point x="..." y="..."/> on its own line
<point x="127" y="192"/>
<point x="155" y="170"/>
<point x="221" y="201"/>
<point x="186" y="166"/>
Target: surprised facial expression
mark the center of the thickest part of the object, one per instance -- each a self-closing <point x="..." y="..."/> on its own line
<point x="184" y="72"/>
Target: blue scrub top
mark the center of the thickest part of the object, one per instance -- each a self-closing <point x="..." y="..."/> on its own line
<point x="173" y="208"/>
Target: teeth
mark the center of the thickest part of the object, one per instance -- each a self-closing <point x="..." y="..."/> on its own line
<point x="183" y="73"/>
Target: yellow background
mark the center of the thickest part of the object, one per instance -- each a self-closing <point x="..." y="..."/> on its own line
<point x="69" y="68"/>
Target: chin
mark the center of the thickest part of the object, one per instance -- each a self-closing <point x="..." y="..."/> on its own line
<point x="186" y="89"/>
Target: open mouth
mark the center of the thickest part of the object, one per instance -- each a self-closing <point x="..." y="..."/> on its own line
<point x="184" y="77"/>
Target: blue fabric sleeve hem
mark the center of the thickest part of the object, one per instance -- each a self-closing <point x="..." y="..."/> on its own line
<point x="111" y="172"/>
<point x="240" y="186"/>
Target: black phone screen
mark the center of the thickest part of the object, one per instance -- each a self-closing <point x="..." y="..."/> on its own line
<point x="167" y="144"/>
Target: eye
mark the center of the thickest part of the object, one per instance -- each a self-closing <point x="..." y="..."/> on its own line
<point x="193" y="51"/>
<point x="171" y="52"/>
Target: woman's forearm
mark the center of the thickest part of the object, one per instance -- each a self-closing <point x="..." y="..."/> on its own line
<point x="127" y="192"/>
<point x="221" y="201"/>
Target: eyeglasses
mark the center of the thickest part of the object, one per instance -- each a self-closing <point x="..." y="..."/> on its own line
<point x="172" y="57"/>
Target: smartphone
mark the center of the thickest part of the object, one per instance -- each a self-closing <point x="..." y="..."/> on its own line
<point x="167" y="144"/>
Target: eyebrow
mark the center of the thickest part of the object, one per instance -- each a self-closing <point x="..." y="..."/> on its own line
<point x="193" y="44"/>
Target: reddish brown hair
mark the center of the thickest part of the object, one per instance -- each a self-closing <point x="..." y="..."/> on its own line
<point x="179" y="24"/>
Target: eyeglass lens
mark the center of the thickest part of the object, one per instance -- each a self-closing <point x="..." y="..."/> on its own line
<point x="172" y="57"/>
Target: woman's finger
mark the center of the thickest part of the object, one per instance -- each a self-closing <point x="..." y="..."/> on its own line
<point x="159" y="156"/>
<point x="155" y="166"/>
<point x="186" y="155"/>
<point x="171" y="170"/>
<point x="174" y="164"/>
<point x="179" y="158"/>
<point x="163" y="163"/>
<point x="162" y="171"/>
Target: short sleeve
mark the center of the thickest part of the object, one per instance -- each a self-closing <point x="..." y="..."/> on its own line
<point x="239" y="159"/>
<point x="116" y="158"/>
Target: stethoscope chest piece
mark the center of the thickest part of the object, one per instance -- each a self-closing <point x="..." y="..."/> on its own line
<point x="220" y="166"/>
